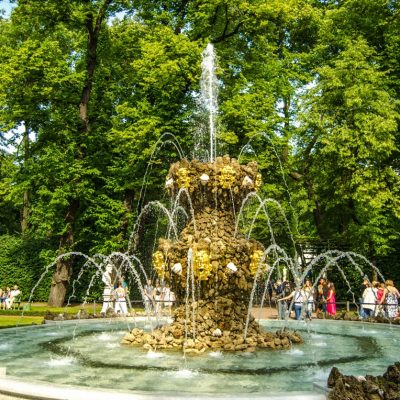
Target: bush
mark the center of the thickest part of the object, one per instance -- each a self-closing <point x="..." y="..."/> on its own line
<point x="22" y="264"/>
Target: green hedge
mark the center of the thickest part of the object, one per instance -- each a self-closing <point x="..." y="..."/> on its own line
<point x="22" y="263"/>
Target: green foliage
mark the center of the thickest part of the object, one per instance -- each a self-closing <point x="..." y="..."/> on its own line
<point x="23" y="262"/>
<point x="309" y="89"/>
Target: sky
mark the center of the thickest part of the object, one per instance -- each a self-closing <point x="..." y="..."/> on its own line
<point x="6" y="6"/>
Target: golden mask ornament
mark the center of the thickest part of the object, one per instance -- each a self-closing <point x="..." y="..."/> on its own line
<point x="183" y="178"/>
<point x="258" y="182"/>
<point x="255" y="262"/>
<point x="226" y="177"/>
<point x="159" y="263"/>
<point x="202" y="267"/>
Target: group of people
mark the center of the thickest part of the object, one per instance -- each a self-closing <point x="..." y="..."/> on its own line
<point x="158" y="297"/>
<point x="379" y="299"/>
<point x="8" y="297"/>
<point x="305" y="299"/>
<point x="376" y="299"/>
<point x="115" y="296"/>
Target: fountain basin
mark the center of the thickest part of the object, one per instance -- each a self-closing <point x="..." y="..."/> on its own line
<point x="88" y="357"/>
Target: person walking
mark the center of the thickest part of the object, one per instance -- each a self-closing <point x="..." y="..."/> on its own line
<point x="120" y="300"/>
<point x="363" y="286"/>
<point x="158" y="296"/>
<point x="148" y="297"/>
<point x="298" y="297"/>
<point x="169" y="299"/>
<point x="380" y="288"/>
<point x="390" y="299"/>
<point x="369" y="297"/>
<point x="321" y="290"/>
<point x="308" y="298"/>
<point x="331" y="299"/>
<point x="284" y="291"/>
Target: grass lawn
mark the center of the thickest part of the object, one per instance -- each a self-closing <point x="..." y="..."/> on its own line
<point x="41" y="308"/>
<point x="9" y="321"/>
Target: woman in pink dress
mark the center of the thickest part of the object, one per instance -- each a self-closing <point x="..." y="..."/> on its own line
<point x="331" y="299"/>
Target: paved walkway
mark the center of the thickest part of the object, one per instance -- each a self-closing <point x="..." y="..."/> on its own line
<point x="265" y="312"/>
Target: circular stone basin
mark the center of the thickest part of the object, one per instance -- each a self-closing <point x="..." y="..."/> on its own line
<point x="89" y="355"/>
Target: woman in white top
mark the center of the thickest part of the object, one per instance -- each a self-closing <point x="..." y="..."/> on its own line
<point x="308" y="298"/>
<point x="120" y="300"/>
<point x="298" y="297"/>
<point x="369" y="297"/>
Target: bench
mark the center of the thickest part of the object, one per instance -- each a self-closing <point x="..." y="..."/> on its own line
<point x="16" y="305"/>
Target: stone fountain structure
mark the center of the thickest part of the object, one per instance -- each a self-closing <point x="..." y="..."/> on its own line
<point x="210" y="268"/>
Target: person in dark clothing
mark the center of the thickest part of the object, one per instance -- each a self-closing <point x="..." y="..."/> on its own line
<point x="285" y="290"/>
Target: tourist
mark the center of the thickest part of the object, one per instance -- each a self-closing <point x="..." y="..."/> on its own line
<point x="15" y="293"/>
<point x="380" y="288"/>
<point x="158" y="296"/>
<point x="390" y="299"/>
<point x="283" y="291"/>
<point x="270" y="288"/>
<point x="148" y="296"/>
<point x="331" y="299"/>
<point x="363" y="286"/>
<point x="2" y="299"/>
<point x="298" y="297"/>
<point x="169" y="299"/>
<point x="120" y="300"/>
<point x="6" y="296"/>
<point x="308" y="298"/>
<point x="278" y="288"/>
<point x="369" y="297"/>
<point x="321" y="293"/>
<point x="126" y="287"/>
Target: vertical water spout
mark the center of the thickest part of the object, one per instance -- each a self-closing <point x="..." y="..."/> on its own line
<point x="208" y="96"/>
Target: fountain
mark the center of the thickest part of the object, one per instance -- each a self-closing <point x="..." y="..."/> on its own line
<point x="218" y="267"/>
<point x="214" y="271"/>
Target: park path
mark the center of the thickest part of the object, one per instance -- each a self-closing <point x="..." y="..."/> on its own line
<point x="264" y="313"/>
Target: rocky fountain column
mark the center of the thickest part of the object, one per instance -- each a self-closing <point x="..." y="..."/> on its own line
<point x="209" y="268"/>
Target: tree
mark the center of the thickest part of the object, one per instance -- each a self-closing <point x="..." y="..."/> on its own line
<point x="348" y="142"/>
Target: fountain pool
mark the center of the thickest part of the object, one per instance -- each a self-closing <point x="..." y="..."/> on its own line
<point x="89" y="355"/>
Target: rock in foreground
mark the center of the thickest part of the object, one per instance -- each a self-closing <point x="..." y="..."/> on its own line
<point x="385" y="387"/>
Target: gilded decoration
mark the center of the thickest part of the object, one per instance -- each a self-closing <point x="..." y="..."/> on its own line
<point x="226" y="177"/>
<point x="159" y="263"/>
<point x="202" y="267"/>
<point x="258" y="182"/>
<point x="183" y="178"/>
<point x="255" y="262"/>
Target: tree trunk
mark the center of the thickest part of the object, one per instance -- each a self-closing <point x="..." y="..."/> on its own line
<point x="62" y="275"/>
<point x="317" y="212"/>
<point x="129" y="197"/>
<point x="59" y="283"/>
<point x="286" y="129"/>
<point x="25" y="200"/>
<point x="25" y="212"/>
<point x="63" y="272"/>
